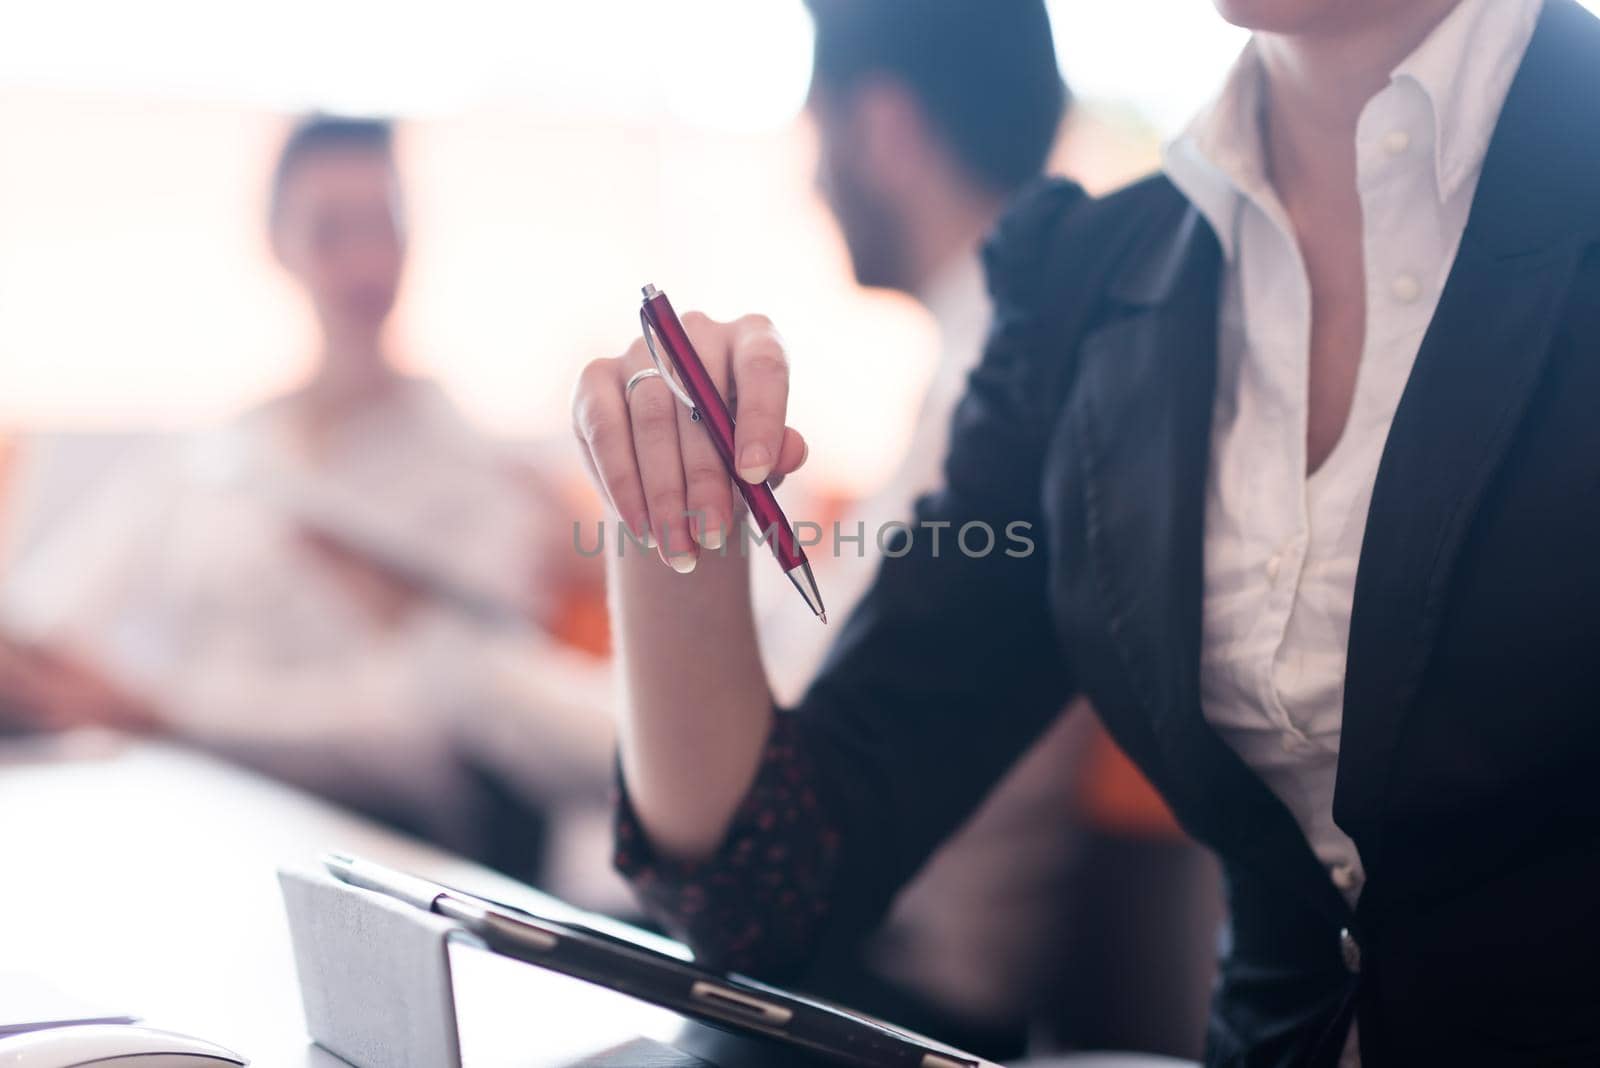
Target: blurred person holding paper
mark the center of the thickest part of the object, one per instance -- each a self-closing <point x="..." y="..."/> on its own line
<point x="349" y="586"/>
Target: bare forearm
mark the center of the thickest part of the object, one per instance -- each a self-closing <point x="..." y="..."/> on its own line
<point x="696" y="707"/>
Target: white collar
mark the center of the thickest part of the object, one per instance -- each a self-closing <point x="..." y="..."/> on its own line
<point x="958" y="299"/>
<point x="1464" y="69"/>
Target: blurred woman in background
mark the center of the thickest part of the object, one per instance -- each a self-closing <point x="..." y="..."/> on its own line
<point x="349" y="586"/>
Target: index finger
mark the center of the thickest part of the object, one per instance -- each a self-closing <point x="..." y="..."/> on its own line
<point x="759" y="368"/>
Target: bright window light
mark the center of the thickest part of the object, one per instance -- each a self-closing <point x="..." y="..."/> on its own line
<point x="729" y="65"/>
<point x="725" y="64"/>
<point x="736" y="65"/>
<point x="1163" y="58"/>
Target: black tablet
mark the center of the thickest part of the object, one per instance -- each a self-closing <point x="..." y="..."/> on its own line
<point x="733" y="1002"/>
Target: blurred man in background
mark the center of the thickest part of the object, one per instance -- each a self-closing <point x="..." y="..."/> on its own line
<point x="349" y="586"/>
<point x="931" y="116"/>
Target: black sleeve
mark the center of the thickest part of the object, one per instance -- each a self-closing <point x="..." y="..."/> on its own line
<point x="941" y="678"/>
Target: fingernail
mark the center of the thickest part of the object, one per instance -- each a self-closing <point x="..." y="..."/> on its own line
<point x="710" y="537"/>
<point x="755" y="464"/>
<point x="683" y="563"/>
<point x="649" y="538"/>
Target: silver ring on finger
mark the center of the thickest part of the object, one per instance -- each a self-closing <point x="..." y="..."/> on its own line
<point x="634" y="380"/>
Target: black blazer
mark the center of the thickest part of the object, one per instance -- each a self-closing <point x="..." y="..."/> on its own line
<point x="1469" y="775"/>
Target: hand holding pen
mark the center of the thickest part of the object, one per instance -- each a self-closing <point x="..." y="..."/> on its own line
<point x="659" y="431"/>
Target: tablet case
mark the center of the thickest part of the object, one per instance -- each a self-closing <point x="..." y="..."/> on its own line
<point x="376" y="986"/>
<point x="374" y="973"/>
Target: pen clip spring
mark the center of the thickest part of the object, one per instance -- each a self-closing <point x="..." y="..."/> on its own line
<point x="664" y="371"/>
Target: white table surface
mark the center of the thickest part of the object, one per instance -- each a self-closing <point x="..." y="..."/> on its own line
<point x="143" y="878"/>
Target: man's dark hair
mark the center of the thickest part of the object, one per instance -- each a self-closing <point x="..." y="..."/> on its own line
<point x="984" y="72"/>
<point x="317" y="134"/>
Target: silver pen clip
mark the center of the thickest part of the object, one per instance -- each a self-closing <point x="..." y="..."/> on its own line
<point x="662" y="368"/>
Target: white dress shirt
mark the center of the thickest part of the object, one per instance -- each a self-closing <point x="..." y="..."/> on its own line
<point x="1282" y="548"/>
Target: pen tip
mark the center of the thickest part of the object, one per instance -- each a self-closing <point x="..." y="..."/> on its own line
<point x="824" y="617"/>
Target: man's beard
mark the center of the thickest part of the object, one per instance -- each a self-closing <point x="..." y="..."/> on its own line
<point x="874" y="234"/>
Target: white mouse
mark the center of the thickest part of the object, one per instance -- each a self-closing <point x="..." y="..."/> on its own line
<point x="112" y="1046"/>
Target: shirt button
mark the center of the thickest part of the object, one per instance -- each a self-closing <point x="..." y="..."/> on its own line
<point x="1396" y="142"/>
<point x="1350" y="951"/>
<point x="1274" y="565"/>
<point x="1406" y="288"/>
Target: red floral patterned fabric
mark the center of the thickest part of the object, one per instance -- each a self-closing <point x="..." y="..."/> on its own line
<point x="762" y="899"/>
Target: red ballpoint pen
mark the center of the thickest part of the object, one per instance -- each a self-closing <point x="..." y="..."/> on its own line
<point x="694" y="388"/>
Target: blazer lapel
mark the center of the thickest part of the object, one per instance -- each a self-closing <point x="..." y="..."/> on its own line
<point x="1142" y="412"/>
<point x="1478" y="365"/>
<point x="1143" y="401"/>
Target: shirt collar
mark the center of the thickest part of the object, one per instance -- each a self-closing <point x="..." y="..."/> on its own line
<point x="957" y="299"/>
<point x="1464" y="69"/>
<point x="1218" y="156"/>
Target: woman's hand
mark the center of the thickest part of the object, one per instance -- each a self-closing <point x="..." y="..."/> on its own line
<point x="658" y="469"/>
<point x="697" y="707"/>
